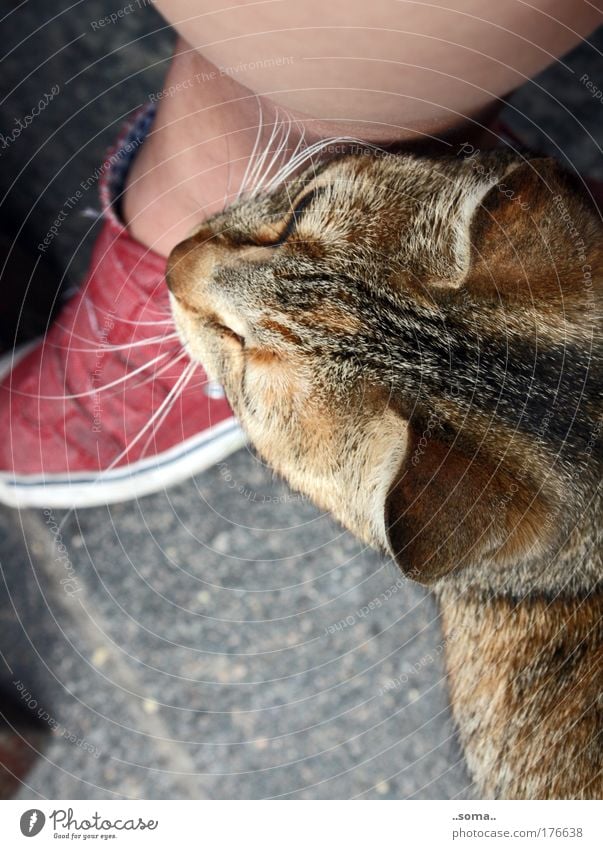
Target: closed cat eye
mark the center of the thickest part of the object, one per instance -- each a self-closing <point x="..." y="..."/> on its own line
<point x="295" y="216"/>
<point x="224" y="330"/>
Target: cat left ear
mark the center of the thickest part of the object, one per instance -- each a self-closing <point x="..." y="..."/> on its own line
<point x="523" y="233"/>
<point x="446" y="510"/>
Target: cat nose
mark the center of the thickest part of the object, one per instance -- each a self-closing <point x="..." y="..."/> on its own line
<point x="190" y="265"/>
<point x="177" y="265"/>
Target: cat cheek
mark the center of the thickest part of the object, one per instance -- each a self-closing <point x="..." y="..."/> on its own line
<point x="272" y="381"/>
<point x="195" y="343"/>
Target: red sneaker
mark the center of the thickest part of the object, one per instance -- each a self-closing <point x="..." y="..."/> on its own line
<point x="108" y="406"/>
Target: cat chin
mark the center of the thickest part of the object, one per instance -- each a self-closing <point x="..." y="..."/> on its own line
<point x="194" y="341"/>
<point x="345" y="467"/>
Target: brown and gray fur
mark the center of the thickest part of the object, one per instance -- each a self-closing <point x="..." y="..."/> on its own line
<point x="416" y="344"/>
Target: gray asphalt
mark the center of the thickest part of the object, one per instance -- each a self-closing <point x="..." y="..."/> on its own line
<point x="212" y="641"/>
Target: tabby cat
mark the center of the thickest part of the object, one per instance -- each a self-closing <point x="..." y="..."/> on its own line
<point x="415" y="343"/>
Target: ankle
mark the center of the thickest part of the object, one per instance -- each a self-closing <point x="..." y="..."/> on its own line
<point x="158" y="205"/>
<point x="195" y="157"/>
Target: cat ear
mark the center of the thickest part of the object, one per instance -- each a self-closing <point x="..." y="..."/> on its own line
<point x="525" y="233"/>
<point x="446" y="509"/>
<point x="451" y="506"/>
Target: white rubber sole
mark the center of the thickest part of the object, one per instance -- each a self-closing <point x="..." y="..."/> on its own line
<point x="146" y="476"/>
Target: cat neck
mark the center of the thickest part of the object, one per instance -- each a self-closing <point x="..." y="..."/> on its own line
<point x="572" y="567"/>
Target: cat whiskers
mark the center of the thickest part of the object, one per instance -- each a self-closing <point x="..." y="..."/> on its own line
<point x="166" y="321"/>
<point x="314" y="151"/>
<point x="276" y="152"/>
<point x="167" y="404"/>
<point x="97" y="389"/>
<point x="151" y="340"/>
<point x="165" y="367"/>
<point x="102" y="349"/>
<point x="282" y="146"/>
<point x="258" y="167"/>
<point x="247" y="175"/>
<point x="259" y="176"/>
<point x="155" y="422"/>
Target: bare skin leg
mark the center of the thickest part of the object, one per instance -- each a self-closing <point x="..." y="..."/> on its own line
<point x="197" y="153"/>
<point x="383" y="71"/>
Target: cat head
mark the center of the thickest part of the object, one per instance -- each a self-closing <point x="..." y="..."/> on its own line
<point x="412" y="343"/>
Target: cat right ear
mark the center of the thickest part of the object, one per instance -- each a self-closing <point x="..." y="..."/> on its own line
<point x="445" y="510"/>
<point x="525" y="234"/>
